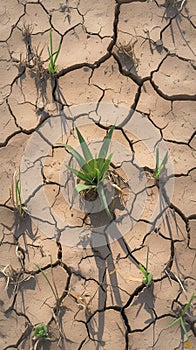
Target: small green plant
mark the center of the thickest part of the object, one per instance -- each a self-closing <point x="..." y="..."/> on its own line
<point x="52" y="67"/>
<point x="160" y="167"/>
<point x="92" y="169"/>
<point x="148" y="277"/>
<point x="41" y="331"/>
<point x="180" y="318"/>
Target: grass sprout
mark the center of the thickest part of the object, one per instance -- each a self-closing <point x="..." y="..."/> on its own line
<point x="18" y="195"/>
<point x="52" y="67"/>
<point x="180" y="318"/>
<point x="160" y="167"/>
<point x="148" y="277"/>
<point x="92" y="169"/>
<point x="15" y="192"/>
<point x="41" y="331"/>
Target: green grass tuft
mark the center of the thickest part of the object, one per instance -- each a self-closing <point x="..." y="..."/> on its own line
<point x="180" y="318"/>
<point x="148" y="277"/>
<point x="160" y="167"/>
<point x="52" y="67"/>
<point x="92" y="169"/>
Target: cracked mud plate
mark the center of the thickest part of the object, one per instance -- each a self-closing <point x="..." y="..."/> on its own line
<point x="125" y="63"/>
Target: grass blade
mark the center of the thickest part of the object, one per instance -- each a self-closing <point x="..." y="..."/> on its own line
<point x="163" y="162"/>
<point x="92" y="165"/>
<point x="18" y="195"/>
<point x="56" y="56"/>
<point x="52" y="68"/>
<point x="149" y="279"/>
<point x="51" y="64"/>
<point x="105" y="166"/>
<point x="157" y="160"/>
<point x="81" y="161"/>
<point x="97" y="171"/>
<point x="53" y="281"/>
<point x="50" y="48"/>
<point x="86" y="166"/>
<point x="173" y="322"/>
<point x="188" y="305"/>
<point x="147" y="261"/>
<point x="106" y="143"/>
<point x="159" y="168"/>
<point x="82" y="187"/>
<point x="48" y="281"/>
<point x="184" y="328"/>
<point x="180" y="319"/>
<point x="85" y="149"/>
<point x="79" y="174"/>
<point x="102" y="197"/>
<point x="143" y="270"/>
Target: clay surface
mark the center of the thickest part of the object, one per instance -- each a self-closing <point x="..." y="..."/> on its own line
<point x="128" y="63"/>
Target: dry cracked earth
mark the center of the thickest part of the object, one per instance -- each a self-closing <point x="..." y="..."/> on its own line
<point x="123" y="62"/>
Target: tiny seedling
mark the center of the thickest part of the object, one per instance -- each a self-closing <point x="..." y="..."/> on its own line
<point x="16" y="193"/>
<point x="180" y="318"/>
<point x="52" y="67"/>
<point x="160" y="167"/>
<point x="148" y="277"/>
<point x="41" y="331"/>
<point x="92" y="169"/>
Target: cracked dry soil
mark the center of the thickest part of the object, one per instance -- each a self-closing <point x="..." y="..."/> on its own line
<point x="136" y="56"/>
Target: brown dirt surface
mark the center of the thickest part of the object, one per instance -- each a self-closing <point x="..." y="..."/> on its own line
<point x="63" y="262"/>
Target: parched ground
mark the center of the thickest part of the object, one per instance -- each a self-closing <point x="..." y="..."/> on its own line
<point x="123" y="62"/>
